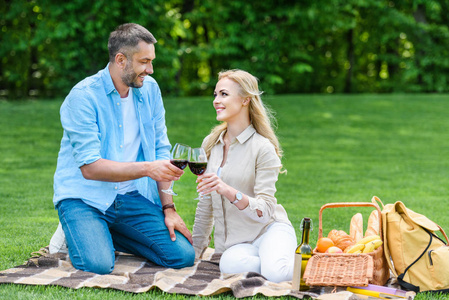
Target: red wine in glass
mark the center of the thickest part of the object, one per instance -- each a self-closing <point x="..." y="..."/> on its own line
<point x="180" y="163"/>
<point x="198" y="168"/>
<point x="198" y="164"/>
<point x="180" y="155"/>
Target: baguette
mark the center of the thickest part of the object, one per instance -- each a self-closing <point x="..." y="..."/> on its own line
<point x="356" y="227"/>
<point x="373" y="224"/>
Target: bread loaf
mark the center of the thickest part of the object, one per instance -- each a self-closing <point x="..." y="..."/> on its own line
<point x="356" y="227"/>
<point x="340" y="238"/>
<point x="373" y="224"/>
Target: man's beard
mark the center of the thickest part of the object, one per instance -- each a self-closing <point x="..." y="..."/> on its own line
<point x="130" y="77"/>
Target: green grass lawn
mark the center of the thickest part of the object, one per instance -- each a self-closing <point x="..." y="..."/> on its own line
<point x="337" y="148"/>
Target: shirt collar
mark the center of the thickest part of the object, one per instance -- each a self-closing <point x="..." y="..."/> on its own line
<point x="107" y="80"/>
<point x="109" y="84"/>
<point x="221" y="137"/>
<point x="246" y="134"/>
<point x="242" y="137"/>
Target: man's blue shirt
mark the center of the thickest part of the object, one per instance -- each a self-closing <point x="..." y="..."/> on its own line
<point x="91" y="117"/>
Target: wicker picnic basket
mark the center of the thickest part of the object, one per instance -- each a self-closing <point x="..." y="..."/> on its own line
<point x="345" y="269"/>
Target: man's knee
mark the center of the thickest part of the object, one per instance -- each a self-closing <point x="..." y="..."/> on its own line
<point x="184" y="258"/>
<point x="97" y="265"/>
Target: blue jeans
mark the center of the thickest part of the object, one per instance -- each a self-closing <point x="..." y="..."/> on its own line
<point x="132" y="224"/>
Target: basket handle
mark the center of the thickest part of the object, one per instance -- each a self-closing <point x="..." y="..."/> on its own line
<point x="348" y="204"/>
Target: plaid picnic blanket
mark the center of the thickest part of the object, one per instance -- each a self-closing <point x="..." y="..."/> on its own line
<point x="137" y="275"/>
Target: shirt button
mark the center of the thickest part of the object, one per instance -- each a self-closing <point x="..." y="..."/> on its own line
<point x="121" y="146"/>
<point x="118" y="103"/>
<point x="115" y="187"/>
<point x="120" y="126"/>
<point x="107" y="203"/>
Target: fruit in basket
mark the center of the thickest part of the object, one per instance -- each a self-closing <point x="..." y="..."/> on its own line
<point x="340" y="238"/>
<point x="334" y="249"/>
<point x="365" y="245"/>
<point x="369" y="247"/>
<point x="355" y="248"/>
<point x="377" y="243"/>
<point x="323" y="244"/>
<point x="372" y="245"/>
<point x="368" y="239"/>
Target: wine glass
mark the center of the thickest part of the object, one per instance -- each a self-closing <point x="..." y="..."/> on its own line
<point x="198" y="164"/>
<point x="180" y="158"/>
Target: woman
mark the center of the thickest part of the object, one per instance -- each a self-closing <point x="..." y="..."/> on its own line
<point x="251" y="230"/>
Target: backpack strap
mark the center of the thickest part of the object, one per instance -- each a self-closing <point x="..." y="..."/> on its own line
<point x="376" y="201"/>
<point x="407" y="285"/>
<point x="444" y="234"/>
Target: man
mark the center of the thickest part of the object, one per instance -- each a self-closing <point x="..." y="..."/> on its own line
<point x="114" y="162"/>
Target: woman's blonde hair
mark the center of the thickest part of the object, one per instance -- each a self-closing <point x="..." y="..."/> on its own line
<point x="260" y="116"/>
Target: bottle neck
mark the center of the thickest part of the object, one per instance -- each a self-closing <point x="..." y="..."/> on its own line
<point x="305" y="234"/>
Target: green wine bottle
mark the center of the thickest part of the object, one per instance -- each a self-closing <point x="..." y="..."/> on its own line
<point x="302" y="255"/>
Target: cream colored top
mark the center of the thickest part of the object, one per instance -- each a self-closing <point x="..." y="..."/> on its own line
<point x="252" y="167"/>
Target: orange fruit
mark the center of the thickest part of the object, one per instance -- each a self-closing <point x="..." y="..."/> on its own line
<point x="323" y="244"/>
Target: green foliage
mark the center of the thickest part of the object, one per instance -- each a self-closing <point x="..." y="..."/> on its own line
<point x="321" y="46"/>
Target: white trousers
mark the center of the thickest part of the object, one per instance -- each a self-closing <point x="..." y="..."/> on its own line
<point x="271" y="255"/>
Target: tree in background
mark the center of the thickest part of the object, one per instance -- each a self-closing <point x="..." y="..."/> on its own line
<point x="320" y="46"/>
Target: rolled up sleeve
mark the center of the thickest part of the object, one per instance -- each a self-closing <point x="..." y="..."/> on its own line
<point x="268" y="165"/>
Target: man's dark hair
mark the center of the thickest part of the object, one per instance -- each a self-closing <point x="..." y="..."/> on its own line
<point x="125" y="39"/>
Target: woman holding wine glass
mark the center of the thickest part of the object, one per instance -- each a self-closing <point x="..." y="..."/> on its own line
<point x="252" y="231"/>
<point x="198" y="164"/>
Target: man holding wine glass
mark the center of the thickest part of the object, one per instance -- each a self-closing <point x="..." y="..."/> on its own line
<point x="114" y="163"/>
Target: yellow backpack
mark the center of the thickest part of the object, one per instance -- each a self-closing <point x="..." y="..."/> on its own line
<point x="419" y="258"/>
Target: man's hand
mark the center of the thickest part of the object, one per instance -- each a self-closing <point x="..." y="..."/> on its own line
<point x="174" y="222"/>
<point x="164" y="170"/>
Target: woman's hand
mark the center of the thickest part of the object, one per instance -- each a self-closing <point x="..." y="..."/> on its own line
<point x="210" y="182"/>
